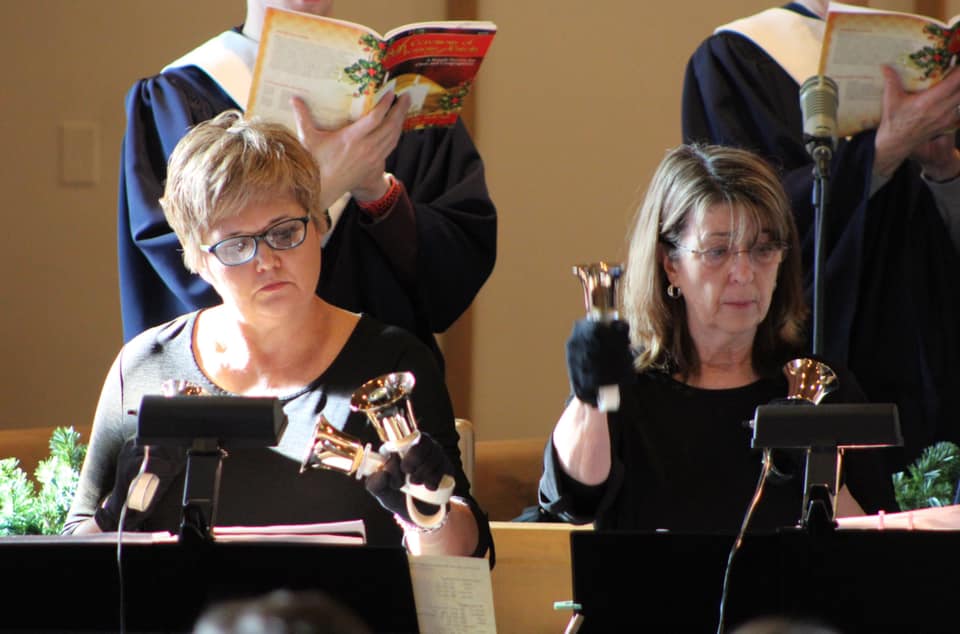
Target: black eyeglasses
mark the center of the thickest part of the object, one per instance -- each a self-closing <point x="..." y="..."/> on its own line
<point x="761" y="254"/>
<point x="236" y="250"/>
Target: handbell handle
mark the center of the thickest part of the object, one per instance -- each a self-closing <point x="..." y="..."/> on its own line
<point x="440" y="497"/>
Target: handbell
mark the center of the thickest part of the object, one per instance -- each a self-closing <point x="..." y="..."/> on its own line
<point x="181" y="387"/>
<point x="335" y="450"/>
<point x="386" y="402"/>
<point x="600" y="281"/>
<point x="809" y="380"/>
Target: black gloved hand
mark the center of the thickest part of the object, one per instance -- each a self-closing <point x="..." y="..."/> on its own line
<point x="598" y="354"/>
<point x="165" y="463"/>
<point x="425" y="462"/>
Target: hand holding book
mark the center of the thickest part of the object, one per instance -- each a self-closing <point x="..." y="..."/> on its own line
<point x="352" y="158"/>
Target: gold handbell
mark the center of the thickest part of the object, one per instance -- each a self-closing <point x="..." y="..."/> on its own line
<point x="338" y="451"/>
<point x="809" y="380"/>
<point x="385" y="400"/>
<point x="600" y="281"/>
<point x="180" y="387"/>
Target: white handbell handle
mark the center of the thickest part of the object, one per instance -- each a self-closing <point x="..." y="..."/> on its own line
<point x="439" y="497"/>
<point x="608" y="398"/>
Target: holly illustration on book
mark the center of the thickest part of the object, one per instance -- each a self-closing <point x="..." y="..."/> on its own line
<point x="367" y="74"/>
<point x="935" y="60"/>
<point x="452" y="99"/>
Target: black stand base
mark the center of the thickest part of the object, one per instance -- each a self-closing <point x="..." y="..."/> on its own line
<point x="818" y="516"/>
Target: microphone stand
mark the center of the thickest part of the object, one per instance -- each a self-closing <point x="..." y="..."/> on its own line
<point x="822" y="153"/>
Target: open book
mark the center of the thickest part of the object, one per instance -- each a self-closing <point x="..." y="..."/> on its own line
<point x="858" y="41"/>
<point x="341" y="69"/>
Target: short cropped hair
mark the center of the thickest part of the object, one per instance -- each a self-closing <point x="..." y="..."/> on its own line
<point x="223" y="165"/>
<point x="690" y="180"/>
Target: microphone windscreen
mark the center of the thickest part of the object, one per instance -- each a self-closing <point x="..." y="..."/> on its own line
<point x="818" y="105"/>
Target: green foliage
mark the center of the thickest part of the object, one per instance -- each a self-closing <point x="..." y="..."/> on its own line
<point x="26" y="509"/>
<point x="931" y="480"/>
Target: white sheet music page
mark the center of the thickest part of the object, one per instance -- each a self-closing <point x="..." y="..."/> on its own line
<point x="454" y="595"/>
<point x="349" y="532"/>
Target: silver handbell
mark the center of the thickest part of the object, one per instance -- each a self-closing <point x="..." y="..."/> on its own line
<point x="600" y="281"/>
<point x="386" y="402"/>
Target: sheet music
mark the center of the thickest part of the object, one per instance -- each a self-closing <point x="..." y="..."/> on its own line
<point x="454" y="595"/>
<point x="348" y="532"/>
<point x="128" y="537"/>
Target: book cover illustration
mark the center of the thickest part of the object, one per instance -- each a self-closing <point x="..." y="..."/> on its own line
<point x="341" y="69"/>
<point x="857" y="44"/>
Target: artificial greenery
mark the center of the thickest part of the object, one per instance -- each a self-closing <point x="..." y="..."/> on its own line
<point x="931" y="480"/>
<point x="40" y="508"/>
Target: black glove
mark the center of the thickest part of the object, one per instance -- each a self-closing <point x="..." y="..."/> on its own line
<point x="425" y="462"/>
<point x="164" y="462"/>
<point x="598" y="354"/>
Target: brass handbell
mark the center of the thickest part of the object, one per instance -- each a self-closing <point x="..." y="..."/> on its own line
<point x="600" y="281"/>
<point x="809" y="380"/>
<point x="335" y="450"/>
<point x="181" y="387"/>
<point x="386" y="402"/>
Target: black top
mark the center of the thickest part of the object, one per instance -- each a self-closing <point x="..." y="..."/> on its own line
<point x="681" y="460"/>
<point x="264" y="486"/>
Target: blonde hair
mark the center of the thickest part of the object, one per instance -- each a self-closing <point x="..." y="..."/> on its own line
<point x="223" y="165"/>
<point x="691" y="180"/>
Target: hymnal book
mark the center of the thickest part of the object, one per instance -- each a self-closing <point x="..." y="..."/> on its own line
<point x="350" y="532"/>
<point x="858" y="41"/>
<point x="341" y="69"/>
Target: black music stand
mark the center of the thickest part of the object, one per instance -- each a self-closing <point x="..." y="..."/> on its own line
<point x="207" y="426"/>
<point x="70" y="584"/>
<point x="881" y="582"/>
<point x="822" y="431"/>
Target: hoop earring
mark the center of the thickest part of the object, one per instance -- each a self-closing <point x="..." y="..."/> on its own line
<point x="672" y="291"/>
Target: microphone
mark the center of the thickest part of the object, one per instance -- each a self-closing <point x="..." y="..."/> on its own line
<point x="818" y="105"/>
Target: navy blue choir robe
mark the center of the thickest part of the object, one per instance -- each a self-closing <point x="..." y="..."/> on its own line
<point x="366" y="264"/>
<point x="891" y="294"/>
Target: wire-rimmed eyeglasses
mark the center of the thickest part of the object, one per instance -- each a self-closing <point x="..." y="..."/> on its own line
<point x="284" y="235"/>
<point x="761" y="253"/>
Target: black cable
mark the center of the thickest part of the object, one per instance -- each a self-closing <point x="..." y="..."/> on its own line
<point x="764" y="472"/>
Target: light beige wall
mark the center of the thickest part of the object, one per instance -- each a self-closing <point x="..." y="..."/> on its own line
<point x="576" y="105"/>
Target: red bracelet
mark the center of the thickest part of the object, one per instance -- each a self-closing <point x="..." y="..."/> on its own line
<point x="385" y="203"/>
